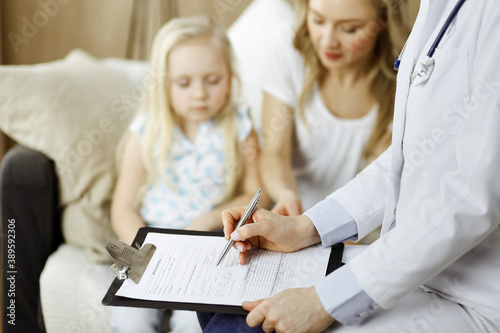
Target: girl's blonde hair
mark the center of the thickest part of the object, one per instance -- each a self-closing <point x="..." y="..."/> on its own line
<point x="160" y="124"/>
<point x="382" y="77"/>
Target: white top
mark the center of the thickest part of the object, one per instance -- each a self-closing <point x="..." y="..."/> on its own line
<point x="327" y="151"/>
<point x="198" y="173"/>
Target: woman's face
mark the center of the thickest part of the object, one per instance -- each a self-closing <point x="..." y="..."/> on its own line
<point x="343" y="32"/>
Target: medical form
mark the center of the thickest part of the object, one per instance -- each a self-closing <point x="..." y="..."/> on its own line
<point x="183" y="270"/>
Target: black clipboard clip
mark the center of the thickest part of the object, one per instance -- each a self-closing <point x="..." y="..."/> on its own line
<point x="129" y="262"/>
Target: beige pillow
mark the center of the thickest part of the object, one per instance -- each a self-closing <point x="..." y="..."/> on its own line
<point x="74" y="111"/>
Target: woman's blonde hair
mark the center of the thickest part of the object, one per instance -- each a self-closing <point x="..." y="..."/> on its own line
<point x="160" y="123"/>
<point x="382" y="77"/>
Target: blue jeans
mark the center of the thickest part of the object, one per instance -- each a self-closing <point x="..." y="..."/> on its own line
<point x="223" y="322"/>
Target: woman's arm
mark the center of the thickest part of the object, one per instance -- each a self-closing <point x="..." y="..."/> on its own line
<point x="250" y="184"/>
<point x="125" y="218"/>
<point x="276" y="160"/>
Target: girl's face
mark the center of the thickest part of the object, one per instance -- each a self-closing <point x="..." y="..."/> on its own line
<point x="199" y="80"/>
<point x="343" y="32"/>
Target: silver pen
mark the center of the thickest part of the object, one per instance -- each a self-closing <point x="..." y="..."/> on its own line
<point x="246" y="215"/>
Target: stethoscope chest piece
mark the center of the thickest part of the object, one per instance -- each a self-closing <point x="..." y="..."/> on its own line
<point x="422" y="72"/>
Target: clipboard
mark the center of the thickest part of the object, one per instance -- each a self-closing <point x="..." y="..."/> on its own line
<point x="111" y="299"/>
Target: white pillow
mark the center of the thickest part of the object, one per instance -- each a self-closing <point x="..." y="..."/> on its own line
<point x="74" y="111"/>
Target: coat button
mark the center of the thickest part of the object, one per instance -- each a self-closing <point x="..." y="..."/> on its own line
<point x="394" y="211"/>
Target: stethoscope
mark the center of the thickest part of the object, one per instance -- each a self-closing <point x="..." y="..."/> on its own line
<point x="423" y="71"/>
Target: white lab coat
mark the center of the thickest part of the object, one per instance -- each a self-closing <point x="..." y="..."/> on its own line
<point x="441" y="203"/>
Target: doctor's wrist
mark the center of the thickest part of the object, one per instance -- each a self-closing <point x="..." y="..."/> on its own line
<point x="306" y="232"/>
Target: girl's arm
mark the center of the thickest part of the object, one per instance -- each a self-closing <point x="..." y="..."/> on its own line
<point x="276" y="160"/>
<point x="250" y="184"/>
<point x="125" y="218"/>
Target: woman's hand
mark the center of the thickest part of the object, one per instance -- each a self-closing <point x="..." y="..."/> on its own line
<point x="290" y="311"/>
<point x="288" y="204"/>
<point x="268" y="230"/>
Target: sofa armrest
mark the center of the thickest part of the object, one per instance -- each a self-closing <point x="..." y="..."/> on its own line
<point x="30" y="231"/>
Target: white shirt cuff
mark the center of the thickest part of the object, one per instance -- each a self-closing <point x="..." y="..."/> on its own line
<point x="344" y="299"/>
<point x="333" y="223"/>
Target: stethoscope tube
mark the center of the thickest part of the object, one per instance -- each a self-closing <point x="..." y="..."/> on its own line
<point x="445" y="27"/>
<point x="425" y="69"/>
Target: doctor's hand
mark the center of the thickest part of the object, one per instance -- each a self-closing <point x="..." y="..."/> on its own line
<point x="268" y="230"/>
<point x="291" y="311"/>
<point x="288" y="204"/>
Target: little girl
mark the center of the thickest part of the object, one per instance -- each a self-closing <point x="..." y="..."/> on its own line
<point x="189" y="154"/>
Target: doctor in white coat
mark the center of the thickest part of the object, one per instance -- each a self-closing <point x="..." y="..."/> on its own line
<point x="436" y="191"/>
